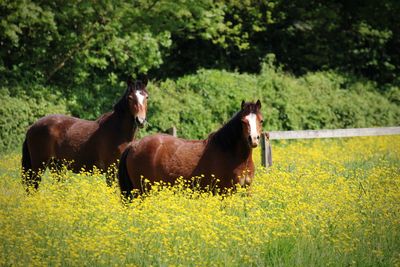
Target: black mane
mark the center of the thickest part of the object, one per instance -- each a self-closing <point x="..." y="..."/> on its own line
<point x="122" y="105"/>
<point x="229" y="134"/>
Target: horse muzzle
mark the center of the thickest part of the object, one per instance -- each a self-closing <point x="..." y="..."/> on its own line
<point x="254" y="141"/>
<point x="140" y="121"/>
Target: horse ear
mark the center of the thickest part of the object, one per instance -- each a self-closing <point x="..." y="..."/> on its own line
<point x="143" y="80"/>
<point x="242" y="105"/>
<point x="258" y="104"/>
<point x="129" y="83"/>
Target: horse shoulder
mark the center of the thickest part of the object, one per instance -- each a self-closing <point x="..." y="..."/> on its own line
<point x="67" y="134"/>
<point x="180" y="157"/>
<point x="144" y="149"/>
<point x="81" y="130"/>
<point x="140" y="159"/>
<point x="122" y="147"/>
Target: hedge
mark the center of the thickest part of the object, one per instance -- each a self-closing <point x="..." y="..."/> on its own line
<point x="200" y="103"/>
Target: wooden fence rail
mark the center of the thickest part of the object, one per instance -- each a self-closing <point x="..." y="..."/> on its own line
<point x="334" y="133"/>
<point x="266" y="150"/>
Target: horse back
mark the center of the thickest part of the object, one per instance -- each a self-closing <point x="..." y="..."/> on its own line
<point x="58" y="136"/>
<point x="51" y="128"/>
<point x="60" y="127"/>
<point x="163" y="157"/>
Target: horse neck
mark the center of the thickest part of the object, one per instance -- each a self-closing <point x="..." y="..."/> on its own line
<point x="243" y="150"/>
<point x="121" y="124"/>
<point x="229" y="139"/>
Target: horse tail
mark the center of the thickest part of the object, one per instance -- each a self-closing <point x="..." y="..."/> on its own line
<point x="125" y="183"/>
<point x="26" y="164"/>
<point x="26" y="157"/>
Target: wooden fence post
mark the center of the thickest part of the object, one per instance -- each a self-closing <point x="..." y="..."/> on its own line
<point x="172" y="131"/>
<point x="266" y="150"/>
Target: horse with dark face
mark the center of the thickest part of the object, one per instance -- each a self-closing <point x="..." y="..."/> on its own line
<point x="226" y="154"/>
<point x="83" y="143"/>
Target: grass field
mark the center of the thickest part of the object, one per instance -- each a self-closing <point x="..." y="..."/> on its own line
<point x="323" y="203"/>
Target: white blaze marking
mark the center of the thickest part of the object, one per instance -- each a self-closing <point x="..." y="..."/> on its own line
<point x="140" y="97"/>
<point x="251" y="118"/>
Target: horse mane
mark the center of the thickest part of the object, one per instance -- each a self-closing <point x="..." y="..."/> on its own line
<point x="103" y="117"/>
<point x="231" y="132"/>
<point x="122" y="104"/>
<point x="228" y="135"/>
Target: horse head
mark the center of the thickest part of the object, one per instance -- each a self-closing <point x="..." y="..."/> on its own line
<point x="137" y="101"/>
<point x="252" y="120"/>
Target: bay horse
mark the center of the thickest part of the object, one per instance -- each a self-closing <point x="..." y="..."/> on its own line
<point x="226" y="154"/>
<point x="84" y="143"/>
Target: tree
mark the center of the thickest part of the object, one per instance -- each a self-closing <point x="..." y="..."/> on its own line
<point x="84" y="47"/>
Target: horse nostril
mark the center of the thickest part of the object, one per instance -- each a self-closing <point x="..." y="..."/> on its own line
<point x="140" y="121"/>
<point x="258" y="137"/>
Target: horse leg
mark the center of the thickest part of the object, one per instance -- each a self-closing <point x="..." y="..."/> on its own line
<point x="111" y="175"/>
<point x="56" y="169"/>
<point x="27" y="172"/>
<point x="37" y="154"/>
<point x="31" y="168"/>
<point x="30" y="179"/>
<point x="124" y="181"/>
<point x="111" y="178"/>
<point x="33" y="176"/>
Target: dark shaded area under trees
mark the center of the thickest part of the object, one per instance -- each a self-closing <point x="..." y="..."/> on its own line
<point x="68" y="43"/>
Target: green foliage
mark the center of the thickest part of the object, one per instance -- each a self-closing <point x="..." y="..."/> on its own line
<point x="84" y="44"/>
<point x="74" y="43"/>
<point x="199" y="104"/>
<point x="17" y="113"/>
<point x="84" y="49"/>
<point x="90" y="104"/>
<point x="323" y="100"/>
<point x="353" y="36"/>
<point x="393" y="95"/>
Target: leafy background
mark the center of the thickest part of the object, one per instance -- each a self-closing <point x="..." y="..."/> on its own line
<point x="314" y="64"/>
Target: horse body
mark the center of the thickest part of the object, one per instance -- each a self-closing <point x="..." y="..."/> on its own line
<point x="225" y="155"/>
<point x="164" y="157"/>
<point x="81" y="143"/>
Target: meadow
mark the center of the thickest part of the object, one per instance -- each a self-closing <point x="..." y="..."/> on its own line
<point x="323" y="203"/>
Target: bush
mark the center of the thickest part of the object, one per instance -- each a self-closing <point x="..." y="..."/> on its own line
<point x="17" y="113"/>
<point x="324" y="100"/>
<point x="198" y="104"/>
